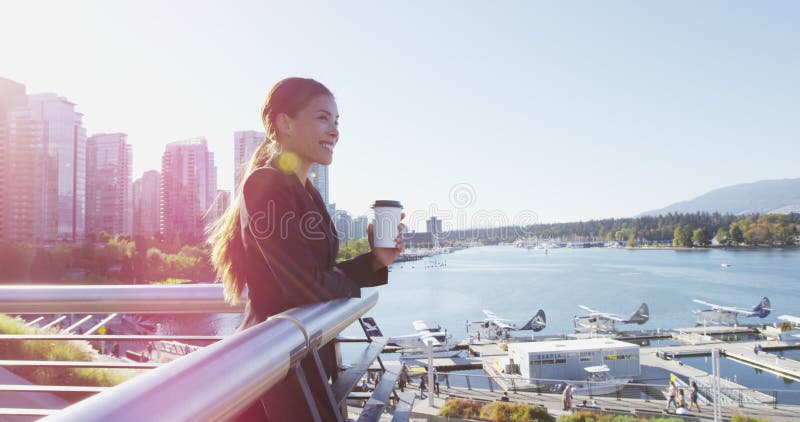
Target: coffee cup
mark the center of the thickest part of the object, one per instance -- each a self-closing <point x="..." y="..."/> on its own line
<point x="387" y="218"/>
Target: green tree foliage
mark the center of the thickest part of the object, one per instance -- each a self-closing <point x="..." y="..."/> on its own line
<point x="736" y="234"/>
<point x="15" y="261"/>
<point x="353" y="248"/>
<point x="722" y="236"/>
<point x="700" y="237"/>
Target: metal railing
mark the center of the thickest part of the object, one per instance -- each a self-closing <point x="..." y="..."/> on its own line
<point x="213" y="383"/>
<point x="140" y="299"/>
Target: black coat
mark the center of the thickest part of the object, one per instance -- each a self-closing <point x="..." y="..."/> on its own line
<point x="291" y="246"/>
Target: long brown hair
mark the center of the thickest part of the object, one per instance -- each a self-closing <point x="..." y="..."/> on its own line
<point x="225" y="235"/>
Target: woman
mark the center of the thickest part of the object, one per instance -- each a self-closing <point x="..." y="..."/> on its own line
<point x="566" y="397"/>
<point x="693" y="397"/>
<point x="278" y="239"/>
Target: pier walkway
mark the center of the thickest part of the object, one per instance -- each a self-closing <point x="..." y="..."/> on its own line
<point x="627" y="406"/>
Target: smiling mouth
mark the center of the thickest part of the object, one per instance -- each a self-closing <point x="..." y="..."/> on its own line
<point x="327" y="145"/>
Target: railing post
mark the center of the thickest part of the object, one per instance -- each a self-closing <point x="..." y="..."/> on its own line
<point x="513" y="386"/>
<point x="538" y="388"/>
<point x="774" y="399"/>
<point x="469" y="387"/>
<point x="447" y="380"/>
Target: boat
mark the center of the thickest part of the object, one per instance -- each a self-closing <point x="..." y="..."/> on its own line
<point x="726" y="265"/>
<point x="598" y="382"/>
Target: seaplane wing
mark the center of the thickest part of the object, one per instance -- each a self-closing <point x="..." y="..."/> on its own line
<point x="761" y="310"/>
<point x="429" y="338"/>
<point x="604" y="315"/>
<point x="420" y="325"/>
<point x="588" y="309"/>
<point x="789" y="318"/>
<point x="489" y="314"/>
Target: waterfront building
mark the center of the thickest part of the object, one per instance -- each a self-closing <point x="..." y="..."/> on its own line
<point x="188" y="188"/>
<point x="360" y="224"/>
<point x="221" y="202"/>
<point x="319" y="178"/>
<point x="434" y="227"/>
<point x="244" y="145"/>
<point x="566" y="359"/>
<point x="344" y="225"/>
<point x="109" y="196"/>
<point x="146" y="204"/>
<point x="21" y="167"/>
<point x="43" y="170"/>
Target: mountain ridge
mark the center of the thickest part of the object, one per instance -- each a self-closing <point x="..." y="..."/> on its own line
<point x="761" y="197"/>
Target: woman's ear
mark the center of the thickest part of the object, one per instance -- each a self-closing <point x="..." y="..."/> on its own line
<point x="285" y="124"/>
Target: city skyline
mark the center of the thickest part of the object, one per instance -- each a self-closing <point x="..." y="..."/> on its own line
<point x="544" y="112"/>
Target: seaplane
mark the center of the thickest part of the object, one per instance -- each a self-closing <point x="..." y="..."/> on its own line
<point x="725" y="315"/>
<point x="793" y="329"/>
<point x="496" y="328"/>
<point x="598" y="321"/>
<point x="412" y="346"/>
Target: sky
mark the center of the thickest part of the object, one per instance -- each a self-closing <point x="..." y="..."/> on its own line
<point x="478" y="112"/>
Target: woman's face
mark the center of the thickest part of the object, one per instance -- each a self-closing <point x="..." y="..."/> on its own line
<point x="313" y="132"/>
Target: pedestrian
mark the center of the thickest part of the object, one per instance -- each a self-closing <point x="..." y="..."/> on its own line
<point x="115" y="349"/>
<point x="682" y="399"/>
<point x="436" y="383"/>
<point x="295" y="264"/>
<point x="149" y="350"/>
<point x="422" y="387"/>
<point x="401" y="382"/>
<point x="755" y="349"/>
<point x="566" y="397"/>
<point x="504" y="397"/>
<point x="693" y="395"/>
<point x="671" y="396"/>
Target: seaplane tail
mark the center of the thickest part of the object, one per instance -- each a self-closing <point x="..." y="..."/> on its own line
<point x="641" y="315"/>
<point x="371" y="327"/>
<point x="537" y="323"/>
<point x="763" y="308"/>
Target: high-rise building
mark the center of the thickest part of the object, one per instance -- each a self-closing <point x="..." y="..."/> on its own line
<point x="146" y="204"/>
<point x="360" y="224"/>
<point x="188" y="188"/>
<point x="244" y="145"/>
<point x="319" y="178"/>
<point x="109" y="196"/>
<point x="221" y="202"/>
<point x="43" y="170"/>
<point x="344" y="225"/>
<point x="64" y="139"/>
<point x="434" y="225"/>
<point x="16" y="204"/>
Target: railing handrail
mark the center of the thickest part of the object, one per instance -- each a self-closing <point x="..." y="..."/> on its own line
<point x="168" y="298"/>
<point x="219" y="381"/>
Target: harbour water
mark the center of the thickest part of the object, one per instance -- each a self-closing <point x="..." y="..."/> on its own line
<point x="515" y="282"/>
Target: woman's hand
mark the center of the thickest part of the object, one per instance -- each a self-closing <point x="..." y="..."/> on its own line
<point x="382" y="257"/>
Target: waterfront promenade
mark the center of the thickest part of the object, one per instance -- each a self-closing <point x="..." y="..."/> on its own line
<point x="626" y="406"/>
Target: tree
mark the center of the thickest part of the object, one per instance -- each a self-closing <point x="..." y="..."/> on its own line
<point x="722" y="236"/>
<point x="15" y="261"/>
<point x="736" y="236"/>
<point x="700" y="237"/>
<point x="676" y="237"/>
<point x="632" y="238"/>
